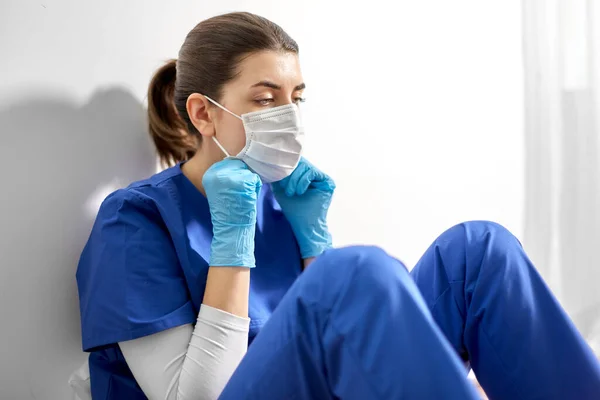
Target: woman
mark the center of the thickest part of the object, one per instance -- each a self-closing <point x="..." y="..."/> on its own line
<point x="183" y="270"/>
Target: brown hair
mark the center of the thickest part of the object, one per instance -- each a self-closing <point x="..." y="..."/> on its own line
<point x="208" y="59"/>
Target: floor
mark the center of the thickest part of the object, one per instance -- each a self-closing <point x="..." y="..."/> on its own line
<point x="478" y="387"/>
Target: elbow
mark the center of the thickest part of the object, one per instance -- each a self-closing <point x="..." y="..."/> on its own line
<point x="206" y="385"/>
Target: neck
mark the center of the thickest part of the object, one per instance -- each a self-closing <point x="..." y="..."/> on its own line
<point x="196" y="166"/>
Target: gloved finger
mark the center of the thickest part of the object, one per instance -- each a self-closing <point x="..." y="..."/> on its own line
<point x="227" y="164"/>
<point x="318" y="175"/>
<point x="293" y="179"/>
<point x="232" y="163"/>
<point x="300" y="184"/>
<point x="324" y="185"/>
<point x="305" y="181"/>
<point x="230" y="173"/>
<point x="249" y="178"/>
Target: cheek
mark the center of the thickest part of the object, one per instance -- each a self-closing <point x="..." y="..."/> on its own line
<point x="232" y="136"/>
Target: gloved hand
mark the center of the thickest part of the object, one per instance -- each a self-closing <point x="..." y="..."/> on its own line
<point x="304" y="197"/>
<point x="232" y="190"/>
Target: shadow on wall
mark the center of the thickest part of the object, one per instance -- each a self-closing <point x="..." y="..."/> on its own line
<point x="58" y="161"/>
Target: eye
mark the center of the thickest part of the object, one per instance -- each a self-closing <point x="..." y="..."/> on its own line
<point x="299" y="100"/>
<point x="264" y="102"/>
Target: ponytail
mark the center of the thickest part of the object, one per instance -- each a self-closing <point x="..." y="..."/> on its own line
<point x="168" y="131"/>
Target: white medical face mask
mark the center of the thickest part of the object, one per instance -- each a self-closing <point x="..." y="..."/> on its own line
<point x="274" y="139"/>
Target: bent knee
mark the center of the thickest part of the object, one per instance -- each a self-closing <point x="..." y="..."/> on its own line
<point x="475" y="234"/>
<point x="363" y="257"/>
<point x="366" y="266"/>
<point x="480" y="243"/>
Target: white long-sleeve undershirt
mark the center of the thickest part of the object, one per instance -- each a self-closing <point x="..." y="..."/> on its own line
<point x="188" y="362"/>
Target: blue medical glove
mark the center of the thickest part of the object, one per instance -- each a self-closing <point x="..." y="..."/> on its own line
<point x="232" y="189"/>
<point x="304" y="197"/>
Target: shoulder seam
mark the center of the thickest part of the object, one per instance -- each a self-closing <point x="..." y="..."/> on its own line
<point x="137" y="196"/>
<point x="146" y="182"/>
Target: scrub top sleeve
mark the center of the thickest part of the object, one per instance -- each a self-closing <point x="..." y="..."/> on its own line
<point x="129" y="277"/>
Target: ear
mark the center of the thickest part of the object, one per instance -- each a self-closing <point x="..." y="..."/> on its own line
<point x="197" y="107"/>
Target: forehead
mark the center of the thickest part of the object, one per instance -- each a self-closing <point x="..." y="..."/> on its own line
<point x="281" y="68"/>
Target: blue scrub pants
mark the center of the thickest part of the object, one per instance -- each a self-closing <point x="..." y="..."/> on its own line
<point x="357" y="325"/>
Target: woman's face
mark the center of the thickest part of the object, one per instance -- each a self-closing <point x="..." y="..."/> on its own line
<point x="266" y="79"/>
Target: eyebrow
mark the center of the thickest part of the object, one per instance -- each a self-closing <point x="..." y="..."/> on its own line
<point x="272" y="85"/>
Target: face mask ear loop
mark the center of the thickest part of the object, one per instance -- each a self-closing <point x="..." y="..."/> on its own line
<point x="221" y="147"/>
<point x="226" y="110"/>
<point x="223" y="108"/>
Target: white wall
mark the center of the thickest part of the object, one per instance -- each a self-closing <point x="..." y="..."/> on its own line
<point x="415" y="109"/>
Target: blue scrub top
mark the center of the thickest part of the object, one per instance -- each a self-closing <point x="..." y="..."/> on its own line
<point x="144" y="268"/>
